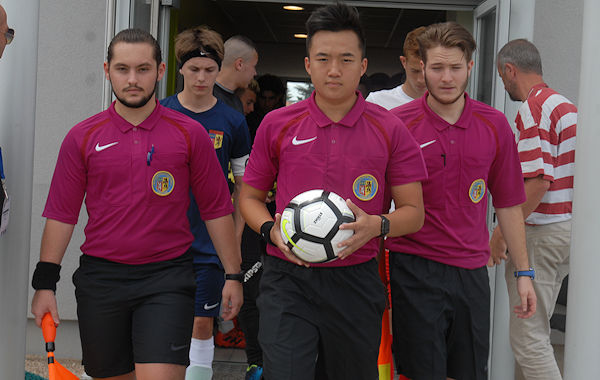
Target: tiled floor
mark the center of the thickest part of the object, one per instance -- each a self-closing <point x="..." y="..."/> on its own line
<point x="229" y="364"/>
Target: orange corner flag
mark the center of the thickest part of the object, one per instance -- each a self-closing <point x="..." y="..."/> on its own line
<point x="385" y="360"/>
<point x="55" y="370"/>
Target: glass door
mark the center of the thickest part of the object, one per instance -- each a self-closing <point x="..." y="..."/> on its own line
<point x="148" y="15"/>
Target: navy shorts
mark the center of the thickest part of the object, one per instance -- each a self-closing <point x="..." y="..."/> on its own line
<point x="210" y="279"/>
<point x="134" y="313"/>
<point x="441" y="319"/>
<point x="320" y="323"/>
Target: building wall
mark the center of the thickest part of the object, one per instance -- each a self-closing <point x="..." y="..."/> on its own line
<point x="69" y="89"/>
<point x="557" y="34"/>
<point x="17" y="124"/>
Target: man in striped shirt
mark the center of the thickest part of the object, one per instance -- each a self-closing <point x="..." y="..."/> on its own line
<point x="546" y="125"/>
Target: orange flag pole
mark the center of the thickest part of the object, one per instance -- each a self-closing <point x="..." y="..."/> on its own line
<point x="55" y="370"/>
<point x="385" y="361"/>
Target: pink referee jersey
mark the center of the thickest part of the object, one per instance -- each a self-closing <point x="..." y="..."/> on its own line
<point x="547" y="122"/>
<point x="357" y="157"/>
<point x="465" y="160"/>
<point x="136" y="182"/>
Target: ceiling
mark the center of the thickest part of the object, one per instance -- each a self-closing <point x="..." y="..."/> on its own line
<point x="266" y="22"/>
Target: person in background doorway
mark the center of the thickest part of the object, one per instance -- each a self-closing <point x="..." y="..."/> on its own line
<point x="414" y="86"/>
<point x="237" y="70"/>
<point x="546" y="124"/>
<point x="199" y="52"/>
<point x="248" y="96"/>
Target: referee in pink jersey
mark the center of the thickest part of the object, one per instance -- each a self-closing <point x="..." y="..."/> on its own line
<point x="439" y="279"/>
<point x="546" y="124"/>
<point x="135" y="164"/>
<point x="323" y="321"/>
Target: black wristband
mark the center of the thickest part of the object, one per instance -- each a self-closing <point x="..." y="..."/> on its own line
<point x="265" y="231"/>
<point x="45" y="276"/>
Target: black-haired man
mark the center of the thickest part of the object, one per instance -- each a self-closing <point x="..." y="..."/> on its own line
<point x="338" y="142"/>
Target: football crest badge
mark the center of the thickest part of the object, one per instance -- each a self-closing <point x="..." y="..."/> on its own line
<point x="216" y="137"/>
<point x="365" y="187"/>
<point x="163" y="183"/>
<point x="477" y="190"/>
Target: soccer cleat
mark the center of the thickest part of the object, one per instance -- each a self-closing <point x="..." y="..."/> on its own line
<point x="232" y="339"/>
<point x="254" y="372"/>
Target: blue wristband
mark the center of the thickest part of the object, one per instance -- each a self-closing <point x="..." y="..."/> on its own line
<point x="528" y="273"/>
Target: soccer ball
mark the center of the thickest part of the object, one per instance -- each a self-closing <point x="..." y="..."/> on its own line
<point x="310" y="225"/>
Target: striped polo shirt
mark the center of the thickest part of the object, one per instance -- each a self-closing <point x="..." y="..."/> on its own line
<point x="546" y="124"/>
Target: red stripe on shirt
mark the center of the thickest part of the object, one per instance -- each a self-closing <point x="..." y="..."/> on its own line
<point x="554" y="208"/>
<point x="87" y="137"/>
<point x="415" y="121"/>
<point x="562" y="184"/>
<point x="378" y="125"/>
<point x="568" y="133"/>
<point x="566" y="158"/>
<point x="285" y="129"/>
<point x="185" y="132"/>
<point x="493" y="128"/>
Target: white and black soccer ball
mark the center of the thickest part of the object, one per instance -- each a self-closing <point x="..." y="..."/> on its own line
<point x="310" y="225"/>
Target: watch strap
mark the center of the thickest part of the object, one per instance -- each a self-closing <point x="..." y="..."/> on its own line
<point x="385" y="226"/>
<point x="529" y="273"/>
<point x="235" y="276"/>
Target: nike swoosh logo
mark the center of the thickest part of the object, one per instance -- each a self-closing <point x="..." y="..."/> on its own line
<point x="427" y="143"/>
<point x="100" y="148"/>
<point x="295" y="141"/>
<point x="210" y="307"/>
<point x="177" y="348"/>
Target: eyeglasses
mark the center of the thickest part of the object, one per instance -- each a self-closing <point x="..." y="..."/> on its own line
<point x="10" y="35"/>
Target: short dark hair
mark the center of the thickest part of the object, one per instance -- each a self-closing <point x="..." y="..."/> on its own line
<point x="522" y="54"/>
<point x="449" y="35"/>
<point x="335" y="18"/>
<point x="135" y="36"/>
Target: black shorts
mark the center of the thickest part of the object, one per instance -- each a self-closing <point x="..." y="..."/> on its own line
<point x="441" y="319"/>
<point x="330" y="314"/>
<point x="134" y="313"/>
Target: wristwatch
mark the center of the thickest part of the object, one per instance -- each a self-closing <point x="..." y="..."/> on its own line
<point x="385" y="226"/>
<point x="235" y="276"/>
<point x="528" y="273"/>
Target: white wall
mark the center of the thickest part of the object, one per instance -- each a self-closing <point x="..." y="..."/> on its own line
<point x="557" y="35"/>
<point x="17" y="110"/>
<point x="69" y="90"/>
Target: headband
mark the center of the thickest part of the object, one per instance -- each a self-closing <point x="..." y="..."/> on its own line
<point x="202" y="52"/>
